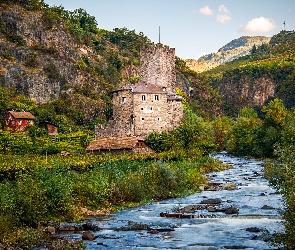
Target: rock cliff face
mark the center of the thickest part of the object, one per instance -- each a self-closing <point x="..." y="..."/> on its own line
<point x="246" y="92"/>
<point x="232" y="50"/>
<point x="37" y="59"/>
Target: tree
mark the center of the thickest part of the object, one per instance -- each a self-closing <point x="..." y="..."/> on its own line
<point x="4" y="104"/>
<point x="253" y="50"/>
<point x="275" y="113"/>
<point x="195" y="132"/>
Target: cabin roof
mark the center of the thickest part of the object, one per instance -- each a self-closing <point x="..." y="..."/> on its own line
<point x="113" y="143"/>
<point x="22" y="115"/>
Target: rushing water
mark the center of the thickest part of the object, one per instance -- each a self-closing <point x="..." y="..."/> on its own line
<point x="258" y="206"/>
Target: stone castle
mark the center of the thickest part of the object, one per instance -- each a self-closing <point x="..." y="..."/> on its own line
<point x="150" y="105"/>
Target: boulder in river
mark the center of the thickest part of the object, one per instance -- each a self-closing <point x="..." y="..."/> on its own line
<point x="211" y="201"/>
<point x="267" y="207"/>
<point x="88" y="236"/>
<point x="229" y="186"/>
<point x="232" y="210"/>
<point x="253" y="230"/>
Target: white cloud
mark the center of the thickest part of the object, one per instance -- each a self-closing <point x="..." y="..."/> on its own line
<point x="206" y="11"/>
<point x="223" y="18"/>
<point x="224" y="14"/>
<point x="260" y="24"/>
<point x="223" y="9"/>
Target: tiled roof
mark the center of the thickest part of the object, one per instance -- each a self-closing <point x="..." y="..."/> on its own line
<point x="22" y="115"/>
<point x="148" y="88"/>
<point x="107" y="143"/>
<point x="144" y="88"/>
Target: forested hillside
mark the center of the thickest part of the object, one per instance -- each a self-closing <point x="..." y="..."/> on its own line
<point x="253" y="80"/>
<point x="62" y="67"/>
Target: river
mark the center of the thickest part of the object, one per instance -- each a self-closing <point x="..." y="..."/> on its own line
<point x="258" y="215"/>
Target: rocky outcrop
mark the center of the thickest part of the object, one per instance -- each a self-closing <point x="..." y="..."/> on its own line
<point x="247" y="91"/>
<point x="39" y="60"/>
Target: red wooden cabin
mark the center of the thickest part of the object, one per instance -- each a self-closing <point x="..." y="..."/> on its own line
<point x="18" y="121"/>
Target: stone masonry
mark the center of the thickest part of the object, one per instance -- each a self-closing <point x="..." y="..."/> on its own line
<point x="157" y="66"/>
<point x="150" y="105"/>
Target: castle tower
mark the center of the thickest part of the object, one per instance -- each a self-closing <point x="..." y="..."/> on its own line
<point x="150" y="105"/>
<point x="157" y="66"/>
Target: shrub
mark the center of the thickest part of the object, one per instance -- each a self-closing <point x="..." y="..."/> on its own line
<point x="80" y="65"/>
<point x="32" y="60"/>
<point x="6" y="54"/>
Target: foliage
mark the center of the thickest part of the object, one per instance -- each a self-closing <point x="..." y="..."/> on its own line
<point x="53" y="73"/>
<point x="56" y="187"/>
<point x="5" y="96"/>
<point x="160" y="142"/>
<point x="282" y="176"/>
<point x="275" y="113"/>
<point x="242" y="136"/>
<point x="222" y="127"/>
<point x="6" y="54"/>
<point x="195" y="132"/>
<point x="32" y="60"/>
<point x="29" y="4"/>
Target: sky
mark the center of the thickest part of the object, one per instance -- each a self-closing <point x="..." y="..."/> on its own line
<point x="192" y="27"/>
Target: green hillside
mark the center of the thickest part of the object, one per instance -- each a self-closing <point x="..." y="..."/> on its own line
<point x="268" y="66"/>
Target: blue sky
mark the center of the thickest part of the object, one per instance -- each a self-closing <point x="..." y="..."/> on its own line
<point x="192" y="27"/>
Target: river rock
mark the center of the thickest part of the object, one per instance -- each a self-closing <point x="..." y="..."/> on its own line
<point x="229" y="186"/>
<point x="91" y="226"/>
<point x="65" y="226"/>
<point x="50" y="230"/>
<point x="211" y="201"/>
<point x="133" y="226"/>
<point x="253" y="230"/>
<point x="266" y="207"/>
<point x="212" y="209"/>
<point x="232" y="210"/>
<point x="88" y="236"/>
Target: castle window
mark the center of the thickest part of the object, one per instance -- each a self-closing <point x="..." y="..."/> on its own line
<point x="159" y="119"/>
<point x="143" y="98"/>
<point x="124" y="99"/>
<point x="141" y="108"/>
<point x="151" y="108"/>
<point x="156" y="98"/>
<point x="142" y="119"/>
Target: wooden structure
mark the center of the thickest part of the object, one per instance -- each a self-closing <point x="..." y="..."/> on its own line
<point x="50" y="127"/>
<point x="128" y="144"/>
<point x="18" y="121"/>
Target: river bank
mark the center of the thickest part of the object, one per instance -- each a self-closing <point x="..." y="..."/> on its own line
<point x="250" y="228"/>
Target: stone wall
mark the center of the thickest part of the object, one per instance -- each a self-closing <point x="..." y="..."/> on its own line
<point x="175" y="113"/>
<point x="157" y="66"/>
<point x="151" y="114"/>
<point x="122" y="112"/>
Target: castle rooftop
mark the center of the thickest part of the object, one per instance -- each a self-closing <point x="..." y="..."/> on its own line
<point x="143" y="88"/>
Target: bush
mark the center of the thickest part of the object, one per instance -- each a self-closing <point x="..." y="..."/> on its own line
<point x="32" y="60"/>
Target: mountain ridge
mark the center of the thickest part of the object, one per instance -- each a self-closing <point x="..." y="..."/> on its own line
<point x="229" y="52"/>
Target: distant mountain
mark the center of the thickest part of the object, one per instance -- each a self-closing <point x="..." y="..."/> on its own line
<point x="232" y="50"/>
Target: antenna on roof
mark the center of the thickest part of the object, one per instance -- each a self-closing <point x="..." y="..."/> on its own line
<point x="159" y="34"/>
<point x="284" y="25"/>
